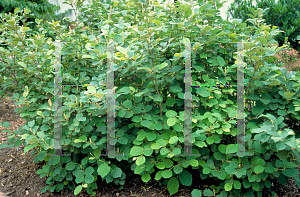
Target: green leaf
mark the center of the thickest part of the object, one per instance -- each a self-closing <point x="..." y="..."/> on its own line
<point x="125" y="89"/>
<point x="146" y="177"/>
<point x="288" y="95"/>
<point x="259" y="169"/>
<point x="171" y="114"/>
<point x="269" y="169"/>
<point x="164" y="151"/>
<point x="204" y="93"/>
<point x="127" y="104"/>
<point x="186" y="178"/>
<point x="237" y="184"/>
<point x="77" y="140"/>
<point x="171" y="121"/>
<point x="161" y="142"/>
<point x="4" y="145"/>
<point x="166" y="174"/>
<point x="177" y="127"/>
<point x="31" y="123"/>
<point x="196" y="193"/>
<point x="228" y="187"/>
<point x="83" y="138"/>
<point x="161" y="165"/>
<point x="158" y="126"/>
<point x="255" y="186"/>
<point x="157" y="22"/>
<point x="208" y="192"/>
<point x="170" y="101"/>
<point x="91" y="37"/>
<point x="178" y="169"/>
<point x="257" y="110"/>
<point x="136" y="151"/>
<point x="212" y="119"/>
<point x="290" y="172"/>
<point x="217" y="155"/>
<point x="161" y="66"/>
<point x="25" y="94"/>
<point x="89" y="170"/>
<point x="22" y="64"/>
<point x="146" y="123"/>
<point x="6" y="124"/>
<point x="123" y="140"/>
<point x="77" y="190"/>
<point x="70" y="166"/>
<point x="221" y="61"/>
<point x="232" y="114"/>
<point x="173" y="140"/>
<point x="103" y="170"/>
<point x="203" y="55"/>
<point x="29" y="147"/>
<point x="231" y="148"/>
<point x="222" y="148"/>
<point x="88" y="179"/>
<point x="140" y="160"/>
<point x="79" y="179"/>
<point x="194" y="162"/>
<point x="206" y="170"/>
<point x="44" y="127"/>
<point x="148" y="150"/>
<point x="116" y="172"/>
<point x="147" y="117"/>
<point x="210" y="140"/>
<point x="151" y="136"/>
<point x="173" y="185"/>
<point x="176" y="151"/>
<point x="175" y="89"/>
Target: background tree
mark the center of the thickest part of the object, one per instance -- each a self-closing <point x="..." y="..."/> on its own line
<point x="41" y="9"/>
<point x="284" y="14"/>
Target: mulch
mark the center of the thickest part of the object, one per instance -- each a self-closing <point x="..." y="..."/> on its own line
<point x="18" y="177"/>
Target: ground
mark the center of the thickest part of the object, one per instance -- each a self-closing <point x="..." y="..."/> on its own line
<point x="18" y="177"/>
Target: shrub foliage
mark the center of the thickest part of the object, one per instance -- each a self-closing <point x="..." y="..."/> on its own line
<point x="150" y="84"/>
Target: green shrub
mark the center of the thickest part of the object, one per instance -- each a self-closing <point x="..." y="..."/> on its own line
<point x="282" y="14"/>
<point x="150" y="106"/>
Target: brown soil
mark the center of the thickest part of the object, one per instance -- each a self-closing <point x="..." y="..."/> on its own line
<point x="18" y="177"/>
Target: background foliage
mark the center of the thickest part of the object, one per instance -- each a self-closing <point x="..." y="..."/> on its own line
<point x="284" y="14"/>
<point x="41" y="9"/>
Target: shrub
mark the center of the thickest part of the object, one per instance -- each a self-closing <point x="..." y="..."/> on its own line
<point x="290" y="58"/>
<point x="151" y="128"/>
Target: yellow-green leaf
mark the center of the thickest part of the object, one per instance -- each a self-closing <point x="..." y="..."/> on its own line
<point x="22" y="64"/>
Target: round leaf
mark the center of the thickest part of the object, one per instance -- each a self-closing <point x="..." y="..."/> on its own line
<point x="228" y="186"/>
<point x="146" y="177"/>
<point x="136" y="151"/>
<point x="140" y="160"/>
<point x="171" y="114"/>
<point x="166" y="174"/>
<point x="173" y="140"/>
<point x="171" y="121"/>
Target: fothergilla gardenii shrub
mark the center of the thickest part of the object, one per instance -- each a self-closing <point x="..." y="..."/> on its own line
<point x="149" y="98"/>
